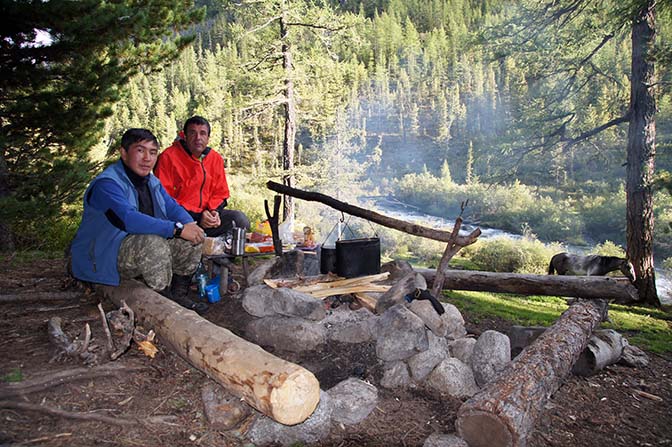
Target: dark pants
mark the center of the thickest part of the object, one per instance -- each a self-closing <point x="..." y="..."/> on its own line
<point x="227" y="217"/>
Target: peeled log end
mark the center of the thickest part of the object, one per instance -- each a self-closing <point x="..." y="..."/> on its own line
<point x="481" y="429"/>
<point x="296" y="399"/>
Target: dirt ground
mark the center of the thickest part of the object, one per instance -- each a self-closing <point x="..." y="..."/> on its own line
<point x="604" y="410"/>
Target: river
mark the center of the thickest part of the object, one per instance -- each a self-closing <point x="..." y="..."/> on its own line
<point x="399" y="210"/>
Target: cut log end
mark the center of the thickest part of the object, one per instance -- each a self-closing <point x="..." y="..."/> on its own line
<point x="296" y="399"/>
<point x="482" y="429"/>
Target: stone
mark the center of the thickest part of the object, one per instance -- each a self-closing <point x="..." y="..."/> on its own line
<point x="491" y="354"/>
<point x="352" y="400"/>
<point x="286" y="333"/>
<point x="444" y="440"/>
<point x="223" y="411"/>
<point x="295" y="263"/>
<point x="350" y="326"/>
<point x="452" y="377"/>
<point x="454" y="322"/>
<point x="265" y="431"/>
<point x="462" y="348"/>
<point x="260" y="272"/>
<point x="422" y="363"/>
<point x="399" y="290"/>
<point x="425" y="311"/>
<point x="291" y="303"/>
<point x="400" y="334"/>
<point x="258" y="300"/>
<point x="521" y="337"/>
<point x="397" y="269"/>
<point x="395" y="375"/>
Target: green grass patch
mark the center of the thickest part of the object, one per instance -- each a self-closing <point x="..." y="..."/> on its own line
<point x="15" y="375"/>
<point x="645" y="327"/>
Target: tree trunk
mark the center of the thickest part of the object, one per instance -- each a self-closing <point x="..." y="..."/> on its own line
<point x="6" y="238"/>
<point x="641" y="154"/>
<point x="589" y="287"/>
<point x="286" y="392"/>
<point x="414" y="229"/>
<point x="290" y="120"/>
<point x="504" y="412"/>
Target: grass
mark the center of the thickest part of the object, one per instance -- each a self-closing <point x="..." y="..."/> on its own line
<point x="15" y="375"/>
<point x="645" y="327"/>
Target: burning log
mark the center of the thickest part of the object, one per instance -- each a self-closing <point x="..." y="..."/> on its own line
<point x="285" y="392"/>
<point x="504" y="412"/>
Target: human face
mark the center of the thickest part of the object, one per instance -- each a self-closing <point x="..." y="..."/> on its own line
<point x="140" y="157"/>
<point x="197" y="138"/>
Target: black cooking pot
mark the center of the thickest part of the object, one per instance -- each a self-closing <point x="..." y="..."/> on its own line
<point x="358" y="257"/>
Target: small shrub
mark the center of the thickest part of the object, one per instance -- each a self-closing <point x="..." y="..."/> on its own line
<point x="526" y="255"/>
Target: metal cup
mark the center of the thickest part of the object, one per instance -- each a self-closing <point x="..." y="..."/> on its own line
<point x="238" y="242"/>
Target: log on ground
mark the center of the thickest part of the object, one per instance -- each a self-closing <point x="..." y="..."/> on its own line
<point x="284" y="391"/>
<point x="590" y="287"/>
<point x="503" y="413"/>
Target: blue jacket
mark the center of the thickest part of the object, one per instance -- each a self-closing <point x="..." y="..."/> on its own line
<point x="110" y="214"/>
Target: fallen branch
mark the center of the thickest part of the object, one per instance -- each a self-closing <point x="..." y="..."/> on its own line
<point x="42" y="383"/>
<point x="112" y="420"/>
<point x="39" y="296"/>
<point x="76" y="348"/>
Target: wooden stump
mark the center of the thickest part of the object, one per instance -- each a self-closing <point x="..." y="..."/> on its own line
<point x="504" y="412"/>
<point x="286" y="392"/>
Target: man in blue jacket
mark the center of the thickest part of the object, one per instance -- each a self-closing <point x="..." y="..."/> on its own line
<point x="132" y="228"/>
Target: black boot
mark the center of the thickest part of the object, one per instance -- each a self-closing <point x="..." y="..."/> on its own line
<point x="180" y="294"/>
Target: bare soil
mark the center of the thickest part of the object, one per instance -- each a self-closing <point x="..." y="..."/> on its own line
<point x="604" y="410"/>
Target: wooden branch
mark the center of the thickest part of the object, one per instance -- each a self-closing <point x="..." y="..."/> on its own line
<point x="590" y="287"/>
<point x="504" y="411"/>
<point x="451" y="250"/>
<point x="76" y="348"/>
<point x="406" y="227"/>
<point x="106" y="328"/>
<point x="39" y="296"/>
<point x="34" y="385"/>
<point x="274" y="223"/>
<point x="112" y="420"/>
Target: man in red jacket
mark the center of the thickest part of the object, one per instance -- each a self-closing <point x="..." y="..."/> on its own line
<point x="194" y="174"/>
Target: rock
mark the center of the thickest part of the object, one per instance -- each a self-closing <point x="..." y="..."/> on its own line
<point x="443" y="440"/>
<point x="454" y="322"/>
<point x="223" y="411"/>
<point x="400" y="334"/>
<point x="265" y="431"/>
<point x="462" y="348"/>
<point x="521" y="336"/>
<point x="258" y="301"/>
<point x="264" y="301"/>
<point x="425" y="311"/>
<point x="452" y="377"/>
<point x="352" y="400"/>
<point x="399" y="290"/>
<point x="261" y="271"/>
<point x="491" y="354"/>
<point x="633" y="356"/>
<point x="296" y="263"/>
<point x="397" y="269"/>
<point x="286" y="333"/>
<point x="350" y="326"/>
<point x="395" y="375"/>
<point x="422" y="363"/>
<point x="291" y="303"/>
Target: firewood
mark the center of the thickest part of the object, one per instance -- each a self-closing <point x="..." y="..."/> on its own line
<point x="366" y="300"/>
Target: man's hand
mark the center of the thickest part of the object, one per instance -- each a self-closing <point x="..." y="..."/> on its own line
<point x="210" y="219"/>
<point x="193" y="233"/>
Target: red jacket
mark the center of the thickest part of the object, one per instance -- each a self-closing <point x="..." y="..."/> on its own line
<point x="196" y="184"/>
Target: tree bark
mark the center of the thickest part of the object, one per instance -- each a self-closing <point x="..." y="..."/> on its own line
<point x="290" y="118"/>
<point x="641" y="153"/>
<point x="589" y="287"/>
<point x="285" y="392"/>
<point x="504" y="412"/>
<point x="416" y="230"/>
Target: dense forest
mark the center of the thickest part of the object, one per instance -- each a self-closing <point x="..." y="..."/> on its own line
<point x="431" y="101"/>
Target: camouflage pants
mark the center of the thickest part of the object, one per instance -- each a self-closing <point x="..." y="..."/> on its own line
<point x="155" y="259"/>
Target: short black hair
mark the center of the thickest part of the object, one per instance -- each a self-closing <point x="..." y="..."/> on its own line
<point x="196" y="120"/>
<point x="134" y="135"/>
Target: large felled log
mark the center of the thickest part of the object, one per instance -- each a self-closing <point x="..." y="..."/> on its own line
<point x="406" y="227"/>
<point x="284" y="391"/>
<point x="504" y="412"/>
<point x="590" y="287"/>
